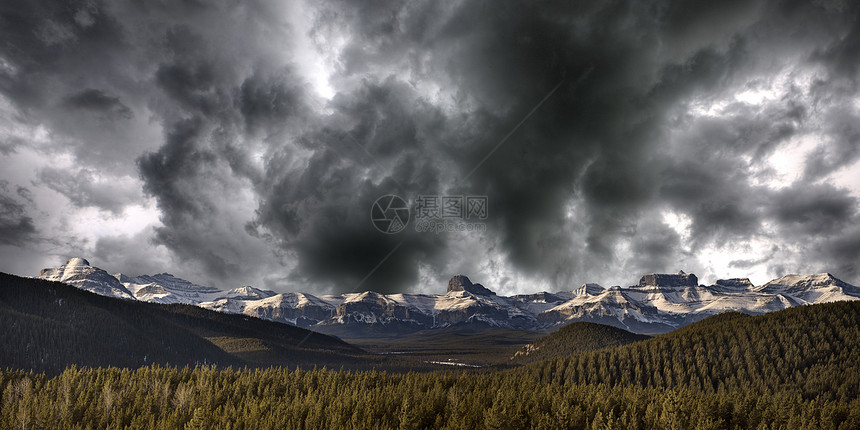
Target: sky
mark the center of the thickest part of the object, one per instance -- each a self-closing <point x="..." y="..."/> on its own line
<point x="245" y="142"/>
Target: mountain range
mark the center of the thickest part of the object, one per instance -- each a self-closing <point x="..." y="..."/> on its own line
<point x="658" y="304"/>
<point x="49" y="326"/>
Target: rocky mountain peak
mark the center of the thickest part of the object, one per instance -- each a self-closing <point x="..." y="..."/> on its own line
<point x="458" y="283"/>
<point x="248" y="292"/>
<point x="78" y="272"/>
<point x="660" y="303"/>
<point x="588" y="289"/>
<point x="808" y="281"/>
<point x="77" y="261"/>
<point x="678" y="280"/>
<point x="736" y="283"/>
<point x="462" y="283"/>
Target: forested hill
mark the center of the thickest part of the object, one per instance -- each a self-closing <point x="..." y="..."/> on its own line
<point x="794" y="369"/>
<point x="48" y="326"/>
<point x="573" y="339"/>
<point x="808" y="351"/>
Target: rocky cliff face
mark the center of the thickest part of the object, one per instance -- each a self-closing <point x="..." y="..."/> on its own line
<point x="677" y="280"/>
<point x="817" y="288"/>
<point x="735" y="284"/>
<point x="78" y="272"/>
<point x="166" y="288"/>
<point x="462" y="283"/>
<point x="659" y="303"/>
<point x="588" y="290"/>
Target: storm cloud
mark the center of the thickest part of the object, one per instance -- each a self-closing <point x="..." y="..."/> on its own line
<point x="245" y="143"/>
<point x="16" y="227"/>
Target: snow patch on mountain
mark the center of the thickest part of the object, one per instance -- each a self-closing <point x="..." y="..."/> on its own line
<point x="78" y="273"/>
<point x="166" y="288"/>
<point x="658" y="303"/>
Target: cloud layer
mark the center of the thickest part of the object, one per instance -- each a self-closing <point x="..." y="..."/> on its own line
<point x="236" y="143"/>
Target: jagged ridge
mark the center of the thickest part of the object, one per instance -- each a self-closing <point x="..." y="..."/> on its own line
<point x="658" y="304"/>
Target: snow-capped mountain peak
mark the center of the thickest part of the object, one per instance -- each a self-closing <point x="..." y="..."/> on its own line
<point x="733" y="284"/>
<point x="78" y="272"/>
<point x="816" y="280"/>
<point x="588" y="290"/>
<point x="462" y="283"/>
<point x="166" y="288"/>
<point x="658" y="303"/>
<point x="815" y="288"/>
<point x="77" y="261"/>
<point x="247" y="292"/>
<point x="663" y="280"/>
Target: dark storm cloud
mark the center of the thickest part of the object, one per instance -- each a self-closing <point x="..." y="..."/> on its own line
<point x="177" y="158"/>
<point x="721" y="204"/>
<point x="8" y="146"/>
<point x="267" y="102"/>
<point x="71" y="70"/>
<point x="822" y="219"/>
<point x="839" y="255"/>
<point x="814" y="209"/>
<point x="749" y="263"/>
<point x="585" y="124"/>
<point x="843" y="148"/>
<point x="48" y="39"/>
<point x="654" y="245"/>
<point x="169" y="175"/>
<point x="322" y="213"/>
<point x="99" y="102"/>
<point x="83" y="189"/>
<point x="192" y="87"/>
<point x="221" y="116"/>
<point x="843" y="54"/>
<point x="592" y="140"/>
<point x="134" y="254"/>
<point x="16" y="226"/>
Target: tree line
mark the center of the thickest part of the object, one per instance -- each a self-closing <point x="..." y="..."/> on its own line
<point x="278" y="398"/>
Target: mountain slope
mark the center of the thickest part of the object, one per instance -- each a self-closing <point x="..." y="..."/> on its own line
<point x="793" y="369"/>
<point x="663" y="302"/>
<point x="659" y="303"/>
<point x="50" y="325"/>
<point x="817" y="288"/>
<point x="166" y="288"/>
<point x="809" y="351"/>
<point x="78" y="272"/>
<point x="573" y="339"/>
